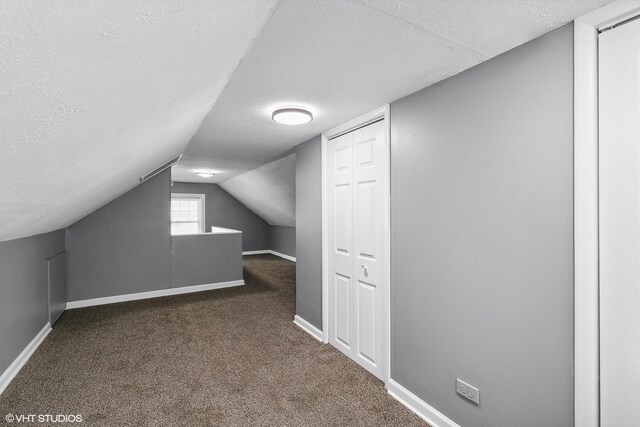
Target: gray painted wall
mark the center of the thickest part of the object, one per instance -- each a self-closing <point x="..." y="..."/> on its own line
<point x="482" y="238"/>
<point x="57" y="281"/>
<point x="123" y="247"/>
<point x="204" y="259"/>
<point x="23" y="291"/>
<point x="224" y="210"/>
<point x="309" y="231"/>
<point x="283" y="239"/>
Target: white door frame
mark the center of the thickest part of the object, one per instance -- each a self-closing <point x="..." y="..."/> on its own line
<point x="361" y="121"/>
<point x="586" y="228"/>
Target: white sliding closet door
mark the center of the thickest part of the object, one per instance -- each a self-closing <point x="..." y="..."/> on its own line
<point x="358" y="179"/>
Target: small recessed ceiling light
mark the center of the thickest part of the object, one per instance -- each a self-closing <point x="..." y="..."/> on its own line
<point x="292" y="116"/>
<point x="205" y="173"/>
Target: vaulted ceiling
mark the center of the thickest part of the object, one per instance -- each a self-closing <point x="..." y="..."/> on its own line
<point x="94" y="94"/>
<point x="269" y="191"/>
<point x="342" y="58"/>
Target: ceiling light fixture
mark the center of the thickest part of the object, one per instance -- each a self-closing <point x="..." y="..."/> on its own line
<point x="292" y="116"/>
<point x="205" y="173"/>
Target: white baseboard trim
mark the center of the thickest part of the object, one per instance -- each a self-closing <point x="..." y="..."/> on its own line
<point x="269" y="251"/>
<point x="419" y="406"/>
<point x="261" y="252"/>
<point x="308" y="327"/>
<point x="281" y="255"/>
<point x="152" y="294"/>
<point x="23" y="357"/>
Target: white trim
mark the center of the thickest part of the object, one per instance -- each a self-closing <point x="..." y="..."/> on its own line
<point x="418" y="406"/>
<point x="610" y="14"/>
<point x="382" y="113"/>
<point x="23" y="357"/>
<point x="281" y="255"/>
<point x="359" y="122"/>
<point x="387" y="239"/>
<point x="205" y="233"/>
<point x="325" y="240"/>
<point x="269" y="251"/>
<point x="152" y="294"/>
<point x="586" y="244"/>
<point x="308" y="327"/>
<point x="223" y="230"/>
<point x="586" y="394"/>
<point x="260" y="252"/>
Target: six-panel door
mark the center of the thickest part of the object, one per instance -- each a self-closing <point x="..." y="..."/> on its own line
<point x="356" y="242"/>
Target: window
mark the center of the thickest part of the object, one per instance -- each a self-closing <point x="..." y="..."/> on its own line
<point x="187" y="213"/>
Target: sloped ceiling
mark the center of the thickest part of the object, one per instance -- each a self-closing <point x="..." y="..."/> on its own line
<point x="94" y="94"/>
<point x="269" y="191"/>
<point x="342" y="58"/>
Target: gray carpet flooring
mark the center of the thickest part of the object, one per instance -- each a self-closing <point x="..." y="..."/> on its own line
<point x="229" y="357"/>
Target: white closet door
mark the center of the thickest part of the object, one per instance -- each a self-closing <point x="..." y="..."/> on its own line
<point x="369" y="231"/>
<point x="620" y="225"/>
<point x="358" y="180"/>
<point x="341" y="243"/>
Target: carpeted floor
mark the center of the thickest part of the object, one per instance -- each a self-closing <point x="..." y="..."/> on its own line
<point x="224" y="357"/>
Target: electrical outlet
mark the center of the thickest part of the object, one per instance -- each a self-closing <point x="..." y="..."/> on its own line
<point x="468" y="391"/>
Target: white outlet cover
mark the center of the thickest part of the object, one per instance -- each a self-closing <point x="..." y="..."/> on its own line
<point x="468" y="391"/>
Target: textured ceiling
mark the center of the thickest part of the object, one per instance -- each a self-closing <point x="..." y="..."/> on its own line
<point x="488" y="27"/>
<point x="94" y="94"/>
<point x="269" y="191"/>
<point x="342" y="58"/>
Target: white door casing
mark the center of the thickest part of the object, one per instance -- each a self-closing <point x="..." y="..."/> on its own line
<point x="619" y="66"/>
<point x="357" y="169"/>
<point x="586" y="211"/>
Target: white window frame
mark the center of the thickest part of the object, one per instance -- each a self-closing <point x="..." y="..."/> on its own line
<point x="192" y="196"/>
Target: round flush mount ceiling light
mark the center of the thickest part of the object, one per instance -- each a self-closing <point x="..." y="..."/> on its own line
<point x="205" y="173"/>
<point x="292" y="116"/>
